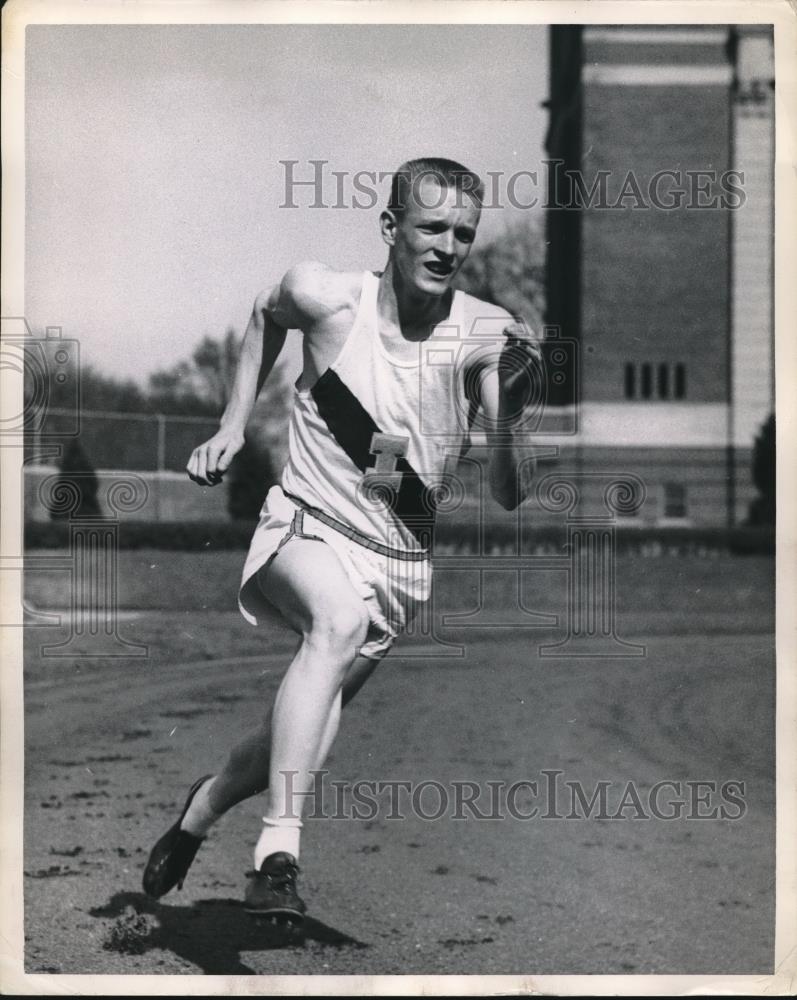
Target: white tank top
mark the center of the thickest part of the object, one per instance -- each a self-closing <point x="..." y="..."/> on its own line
<point x="369" y="442"/>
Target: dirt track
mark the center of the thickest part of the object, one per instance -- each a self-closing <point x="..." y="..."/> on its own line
<point x="110" y="754"/>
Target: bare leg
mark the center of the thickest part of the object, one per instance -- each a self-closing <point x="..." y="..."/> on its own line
<point x="246" y="772"/>
<point x="309" y="586"/>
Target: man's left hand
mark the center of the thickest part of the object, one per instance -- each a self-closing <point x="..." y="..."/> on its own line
<point x="520" y="370"/>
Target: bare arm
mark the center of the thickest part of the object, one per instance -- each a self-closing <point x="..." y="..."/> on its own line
<point x="262" y="344"/>
<point x="272" y="316"/>
<point x="505" y="389"/>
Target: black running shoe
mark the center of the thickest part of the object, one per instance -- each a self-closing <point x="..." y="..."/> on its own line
<point x="272" y="890"/>
<point x="171" y="857"/>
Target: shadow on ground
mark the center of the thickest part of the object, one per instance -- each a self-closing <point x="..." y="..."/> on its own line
<point x="211" y="933"/>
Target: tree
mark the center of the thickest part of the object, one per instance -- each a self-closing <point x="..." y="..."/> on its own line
<point x="215" y="362"/>
<point x="762" y="509"/>
<point x="200" y="386"/>
<point x="103" y="392"/>
<point x="509" y="271"/>
<point x="271" y="415"/>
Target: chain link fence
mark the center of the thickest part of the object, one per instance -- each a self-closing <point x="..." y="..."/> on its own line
<point x="154" y="446"/>
<point x="144" y="442"/>
<point x="684" y="488"/>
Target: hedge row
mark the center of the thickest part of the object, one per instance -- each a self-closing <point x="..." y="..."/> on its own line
<point x="200" y="536"/>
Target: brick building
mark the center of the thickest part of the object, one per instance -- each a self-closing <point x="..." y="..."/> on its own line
<point x="660" y="229"/>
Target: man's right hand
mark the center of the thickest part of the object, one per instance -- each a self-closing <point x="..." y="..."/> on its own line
<point x="210" y="460"/>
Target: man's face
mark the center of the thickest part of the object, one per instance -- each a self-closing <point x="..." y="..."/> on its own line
<point x="432" y="238"/>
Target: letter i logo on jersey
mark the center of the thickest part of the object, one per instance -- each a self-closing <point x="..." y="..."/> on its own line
<point x="382" y="480"/>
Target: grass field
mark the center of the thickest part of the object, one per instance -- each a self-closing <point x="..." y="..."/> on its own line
<point x="687" y="586"/>
<point x="183" y="605"/>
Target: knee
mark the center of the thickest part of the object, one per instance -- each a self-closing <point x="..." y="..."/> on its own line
<point x="340" y="632"/>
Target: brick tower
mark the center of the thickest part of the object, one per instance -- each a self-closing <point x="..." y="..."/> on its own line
<point x="660" y="258"/>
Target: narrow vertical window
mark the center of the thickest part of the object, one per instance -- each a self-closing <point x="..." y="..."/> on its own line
<point x="664" y="381"/>
<point x="630" y="381"/>
<point x="680" y="381"/>
<point x="674" y="500"/>
<point x="647" y="380"/>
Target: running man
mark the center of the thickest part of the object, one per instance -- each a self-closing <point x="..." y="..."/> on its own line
<point x="341" y="551"/>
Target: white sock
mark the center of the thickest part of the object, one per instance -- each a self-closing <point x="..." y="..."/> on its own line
<point x="277" y="835"/>
<point x="200" y="817"/>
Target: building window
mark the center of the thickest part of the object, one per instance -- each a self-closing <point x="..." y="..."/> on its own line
<point x="680" y="381"/>
<point x="670" y="381"/>
<point x="664" y="381"/>
<point x="674" y="500"/>
<point x="630" y="381"/>
<point x="647" y="381"/>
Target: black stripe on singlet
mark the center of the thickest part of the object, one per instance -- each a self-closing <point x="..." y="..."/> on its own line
<point x="353" y="428"/>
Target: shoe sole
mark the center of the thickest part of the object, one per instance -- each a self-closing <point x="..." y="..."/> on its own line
<point x="281" y="914"/>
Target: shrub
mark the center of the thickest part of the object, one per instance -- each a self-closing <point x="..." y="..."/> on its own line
<point x="762" y="509"/>
<point x="251" y="475"/>
<point x="76" y="475"/>
<point x="203" y="536"/>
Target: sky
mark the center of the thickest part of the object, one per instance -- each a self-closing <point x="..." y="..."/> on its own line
<point x="155" y="196"/>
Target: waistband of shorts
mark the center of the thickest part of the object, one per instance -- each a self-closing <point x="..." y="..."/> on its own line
<point x="410" y="555"/>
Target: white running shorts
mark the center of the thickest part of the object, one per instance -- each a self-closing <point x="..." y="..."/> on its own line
<point x="392" y="586"/>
